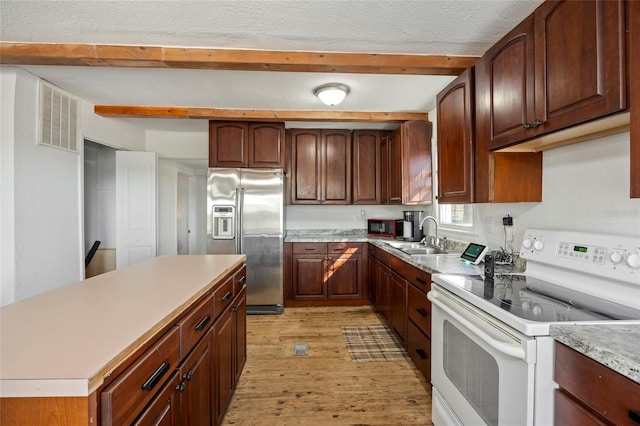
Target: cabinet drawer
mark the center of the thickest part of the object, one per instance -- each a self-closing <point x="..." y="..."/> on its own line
<point x="222" y="297"/>
<point x="419" y="310"/>
<point x="569" y="412"/>
<point x="344" y="248"/>
<point x="419" y="347"/>
<point x="606" y="392"/>
<point x="379" y="254"/>
<point x="123" y="399"/>
<point x="416" y="276"/>
<point x="195" y="325"/>
<point x="239" y="280"/>
<point x="301" y="248"/>
<point x="165" y="407"/>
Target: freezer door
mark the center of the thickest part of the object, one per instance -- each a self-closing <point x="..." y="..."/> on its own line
<point x="262" y="224"/>
<point x="222" y="190"/>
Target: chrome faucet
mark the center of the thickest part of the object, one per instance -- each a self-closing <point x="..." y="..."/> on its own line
<point x="435" y="222"/>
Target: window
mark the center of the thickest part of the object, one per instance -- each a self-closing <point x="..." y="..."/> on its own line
<point x="458" y="216"/>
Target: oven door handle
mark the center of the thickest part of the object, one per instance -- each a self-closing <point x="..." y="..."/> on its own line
<point x="515" y="351"/>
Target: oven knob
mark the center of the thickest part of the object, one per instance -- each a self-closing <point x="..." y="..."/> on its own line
<point x="633" y="260"/>
<point x="527" y="244"/>
<point x="615" y="258"/>
<point x="538" y="245"/>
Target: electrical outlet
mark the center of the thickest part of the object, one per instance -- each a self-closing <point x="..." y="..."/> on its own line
<point x="363" y="214"/>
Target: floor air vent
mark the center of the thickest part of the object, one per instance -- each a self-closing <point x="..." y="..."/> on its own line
<point x="58" y="120"/>
<point x="300" y="349"/>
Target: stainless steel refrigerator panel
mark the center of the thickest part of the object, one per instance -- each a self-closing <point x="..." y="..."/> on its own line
<point x="222" y="190"/>
<point x="264" y="271"/>
<point x="262" y="202"/>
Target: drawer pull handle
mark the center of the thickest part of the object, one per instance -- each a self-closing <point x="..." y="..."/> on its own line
<point x="309" y="249"/>
<point x="421" y="281"/>
<point x="338" y="249"/>
<point x="635" y="416"/>
<point x="226" y="296"/>
<point x="395" y="198"/>
<point x="422" y="312"/>
<point x="155" y="377"/>
<point x="243" y="279"/>
<point x="202" y="323"/>
<point x="181" y="387"/>
<point x="422" y="354"/>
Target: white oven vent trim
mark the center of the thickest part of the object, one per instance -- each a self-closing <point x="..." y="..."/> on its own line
<point x="58" y="118"/>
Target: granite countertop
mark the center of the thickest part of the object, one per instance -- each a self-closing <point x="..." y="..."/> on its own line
<point x="616" y="345"/>
<point x="64" y="342"/>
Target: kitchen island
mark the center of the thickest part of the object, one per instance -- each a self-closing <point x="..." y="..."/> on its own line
<point x="61" y="348"/>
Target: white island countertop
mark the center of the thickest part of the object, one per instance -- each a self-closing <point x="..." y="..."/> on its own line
<point x="64" y="342"/>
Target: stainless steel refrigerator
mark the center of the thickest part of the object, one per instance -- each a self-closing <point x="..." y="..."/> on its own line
<point x="246" y="216"/>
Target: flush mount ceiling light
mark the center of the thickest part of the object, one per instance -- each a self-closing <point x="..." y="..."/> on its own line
<point x="332" y="94"/>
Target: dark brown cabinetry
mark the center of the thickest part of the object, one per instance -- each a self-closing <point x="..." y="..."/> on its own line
<point x="455" y="140"/>
<point x="407" y="172"/>
<point x="634" y="95"/>
<point x="326" y="273"/>
<point x="384" y="167"/>
<point x="320" y="166"/>
<point x="498" y="177"/>
<point x="592" y="394"/>
<point x="561" y="66"/>
<point x="187" y="377"/>
<point x="398" y="305"/>
<point x="366" y="167"/>
<point x="242" y="144"/>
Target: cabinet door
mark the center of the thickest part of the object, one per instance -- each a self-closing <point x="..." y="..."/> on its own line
<point x="164" y="409"/>
<point x="266" y="145"/>
<point x="223" y="363"/>
<point x="384" y="292"/>
<point x="309" y="277"/>
<point x="395" y="167"/>
<point x="240" y="325"/>
<point x="374" y="267"/>
<point x="336" y="166"/>
<point x="384" y="167"/>
<point x="306" y="152"/>
<point x="399" y="305"/>
<point x="417" y="180"/>
<point x="366" y="167"/>
<point x="197" y="375"/>
<point x="579" y="61"/>
<point x="228" y="144"/>
<point x="505" y="79"/>
<point x="455" y="140"/>
<point x="345" y="277"/>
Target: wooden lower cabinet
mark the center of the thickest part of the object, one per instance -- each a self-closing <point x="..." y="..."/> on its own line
<point x="325" y="274"/>
<point x="196" y="389"/>
<point x="399" y="305"/>
<point x="164" y="409"/>
<point x="591" y="393"/>
<point x="419" y="349"/>
<point x="240" y="325"/>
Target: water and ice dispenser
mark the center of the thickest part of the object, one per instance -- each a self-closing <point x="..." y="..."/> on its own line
<point x="223" y="222"/>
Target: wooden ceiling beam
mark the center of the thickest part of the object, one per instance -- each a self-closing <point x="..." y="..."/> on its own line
<point x="230" y="59"/>
<point x="255" y="114"/>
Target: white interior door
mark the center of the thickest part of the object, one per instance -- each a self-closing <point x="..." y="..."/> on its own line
<point x="135" y="207"/>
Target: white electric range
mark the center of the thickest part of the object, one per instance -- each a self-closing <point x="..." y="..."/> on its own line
<point x="492" y="357"/>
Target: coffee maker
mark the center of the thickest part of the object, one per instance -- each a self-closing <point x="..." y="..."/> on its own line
<point x="411" y="226"/>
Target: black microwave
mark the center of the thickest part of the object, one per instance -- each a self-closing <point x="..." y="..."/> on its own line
<point x="385" y="227"/>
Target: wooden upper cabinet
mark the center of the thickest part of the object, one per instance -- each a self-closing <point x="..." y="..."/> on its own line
<point x="241" y="144"/>
<point x="455" y="140"/>
<point x="410" y="176"/>
<point x="320" y="166"/>
<point x="562" y="66"/>
<point x="228" y="144"/>
<point x="366" y="167"/>
<point x="385" y="142"/>
<point x="579" y="61"/>
<point x="507" y="79"/>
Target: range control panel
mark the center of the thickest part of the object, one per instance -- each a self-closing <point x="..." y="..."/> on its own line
<point x="603" y="254"/>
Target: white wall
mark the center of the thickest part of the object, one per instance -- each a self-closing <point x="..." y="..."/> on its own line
<point x="42" y="191"/>
<point x="339" y="217"/>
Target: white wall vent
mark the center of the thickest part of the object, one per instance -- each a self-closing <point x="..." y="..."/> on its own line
<point x="58" y="121"/>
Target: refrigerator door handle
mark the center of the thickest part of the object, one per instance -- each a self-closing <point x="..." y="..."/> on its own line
<point x="240" y="235"/>
<point x="236" y="221"/>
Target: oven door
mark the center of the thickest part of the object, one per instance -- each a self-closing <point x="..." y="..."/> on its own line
<point x="482" y="370"/>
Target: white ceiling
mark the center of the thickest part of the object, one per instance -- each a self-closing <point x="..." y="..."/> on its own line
<point x="453" y="27"/>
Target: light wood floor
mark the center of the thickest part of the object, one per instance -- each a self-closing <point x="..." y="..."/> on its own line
<point x="325" y="387"/>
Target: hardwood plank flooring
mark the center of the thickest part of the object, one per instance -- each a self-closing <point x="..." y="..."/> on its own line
<point x="324" y="387"/>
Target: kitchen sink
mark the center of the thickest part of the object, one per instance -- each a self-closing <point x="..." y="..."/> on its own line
<point x="423" y="250"/>
<point x="416" y="249"/>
